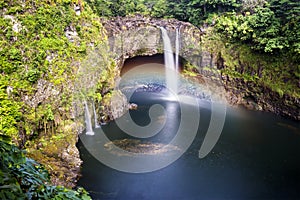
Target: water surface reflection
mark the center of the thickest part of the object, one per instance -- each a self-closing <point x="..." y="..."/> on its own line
<point x="256" y="157"/>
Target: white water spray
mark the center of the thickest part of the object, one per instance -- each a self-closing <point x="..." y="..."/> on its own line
<point x="171" y="72"/>
<point x="177" y="47"/>
<point x="88" y="122"/>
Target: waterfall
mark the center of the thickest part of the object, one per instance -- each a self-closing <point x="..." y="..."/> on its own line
<point x="88" y="122"/>
<point x="177" y="47"/>
<point x="171" y="73"/>
<point x="95" y="116"/>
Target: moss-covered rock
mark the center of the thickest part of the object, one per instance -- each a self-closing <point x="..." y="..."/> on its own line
<point x="43" y="46"/>
<point x="257" y="81"/>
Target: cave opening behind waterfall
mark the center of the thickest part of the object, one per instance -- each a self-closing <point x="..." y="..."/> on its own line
<point x="154" y="62"/>
<point x="150" y="74"/>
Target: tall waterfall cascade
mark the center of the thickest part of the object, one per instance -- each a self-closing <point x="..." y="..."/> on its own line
<point x="177" y="47"/>
<point x="171" y="64"/>
<point x="88" y="122"/>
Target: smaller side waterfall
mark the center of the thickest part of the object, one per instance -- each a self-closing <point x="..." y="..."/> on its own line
<point x="88" y="122"/>
<point x="95" y="116"/>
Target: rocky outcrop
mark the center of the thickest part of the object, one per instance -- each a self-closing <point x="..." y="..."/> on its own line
<point x="257" y="97"/>
<point x="249" y="94"/>
<point x="138" y="35"/>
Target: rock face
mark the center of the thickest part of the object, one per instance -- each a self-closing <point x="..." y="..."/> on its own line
<point x="257" y="97"/>
<point x="118" y="104"/>
<point x="138" y="35"/>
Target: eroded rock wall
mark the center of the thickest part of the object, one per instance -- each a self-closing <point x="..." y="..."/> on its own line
<point x="138" y="35"/>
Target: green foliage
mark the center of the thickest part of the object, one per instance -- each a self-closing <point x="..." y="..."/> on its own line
<point x="35" y="53"/>
<point x="264" y="37"/>
<point x="185" y="10"/>
<point x="158" y="9"/>
<point x="190" y="70"/>
<point x="42" y="46"/>
<point x="277" y="72"/>
<point x="123" y="8"/>
<point x="271" y="27"/>
<point x="9" y="110"/>
<point x="24" y="178"/>
<point x="196" y="11"/>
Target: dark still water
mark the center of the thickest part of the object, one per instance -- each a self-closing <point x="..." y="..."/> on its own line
<point x="256" y="157"/>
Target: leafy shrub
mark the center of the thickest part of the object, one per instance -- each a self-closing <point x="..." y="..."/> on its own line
<point x="24" y="178"/>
